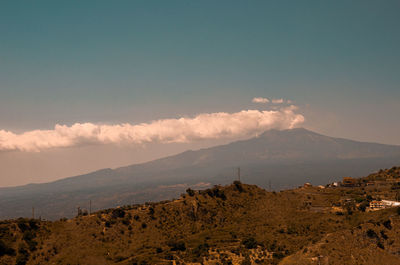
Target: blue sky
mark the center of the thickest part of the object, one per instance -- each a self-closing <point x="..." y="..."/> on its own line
<point x="134" y="61"/>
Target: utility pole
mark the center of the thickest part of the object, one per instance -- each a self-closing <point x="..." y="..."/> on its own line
<point x="33" y="212"/>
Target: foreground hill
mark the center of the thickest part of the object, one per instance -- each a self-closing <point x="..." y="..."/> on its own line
<point x="235" y="224"/>
<point x="284" y="158"/>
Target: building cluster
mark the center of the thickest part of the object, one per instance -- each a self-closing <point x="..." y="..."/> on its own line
<point x="377" y="205"/>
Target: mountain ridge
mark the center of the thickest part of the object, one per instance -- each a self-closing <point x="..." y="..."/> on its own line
<point x="286" y="158"/>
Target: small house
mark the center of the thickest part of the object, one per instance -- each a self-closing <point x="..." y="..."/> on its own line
<point x="374" y="205"/>
<point x="349" y="182"/>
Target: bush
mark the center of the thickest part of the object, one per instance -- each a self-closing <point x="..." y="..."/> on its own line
<point x="159" y="250"/>
<point x="363" y="206"/>
<point x="118" y="213"/>
<point x="23" y="256"/>
<point x="380" y="245"/>
<point x="371" y="233"/>
<point x="28" y="236"/>
<point x="190" y="192"/>
<point x="126" y="221"/>
<point x="387" y="224"/>
<point x="216" y="192"/>
<point x="23" y="225"/>
<point x="250" y="243"/>
<point x="177" y="245"/>
<point x="33" y="224"/>
<point x="6" y="250"/>
<point x="383" y="234"/>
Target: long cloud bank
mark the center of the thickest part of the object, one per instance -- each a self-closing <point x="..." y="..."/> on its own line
<point x="181" y="130"/>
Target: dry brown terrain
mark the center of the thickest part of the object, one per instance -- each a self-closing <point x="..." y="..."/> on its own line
<point x="236" y="224"/>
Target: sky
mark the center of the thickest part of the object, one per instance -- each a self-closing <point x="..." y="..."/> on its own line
<point x="86" y="85"/>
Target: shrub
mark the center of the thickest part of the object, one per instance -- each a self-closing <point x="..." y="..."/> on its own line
<point x="33" y="224"/>
<point x="28" y="236"/>
<point x="383" y="234"/>
<point x="380" y="245"/>
<point x="387" y="224"/>
<point x="190" y="192"/>
<point x="216" y="192"/>
<point x="363" y="206"/>
<point x="6" y="250"/>
<point x="144" y="225"/>
<point x="371" y="233"/>
<point x="118" y="213"/>
<point x="250" y="243"/>
<point x="158" y="250"/>
<point x="22" y="224"/>
<point x="23" y="255"/>
<point x="177" y="245"/>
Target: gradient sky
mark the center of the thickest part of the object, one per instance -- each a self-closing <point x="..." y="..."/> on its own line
<point x="135" y="61"/>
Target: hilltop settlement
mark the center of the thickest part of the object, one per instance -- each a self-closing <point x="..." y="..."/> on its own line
<point x="355" y="221"/>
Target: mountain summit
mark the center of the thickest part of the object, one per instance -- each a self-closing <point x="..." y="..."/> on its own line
<point x="277" y="159"/>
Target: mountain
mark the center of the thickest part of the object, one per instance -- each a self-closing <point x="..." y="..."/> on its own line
<point x="234" y="224"/>
<point x="283" y="159"/>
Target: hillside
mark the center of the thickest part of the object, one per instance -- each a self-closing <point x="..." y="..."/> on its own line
<point x="285" y="159"/>
<point x="234" y="224"/>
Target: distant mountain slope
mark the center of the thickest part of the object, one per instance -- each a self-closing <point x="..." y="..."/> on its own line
<point x="284" y="158"/>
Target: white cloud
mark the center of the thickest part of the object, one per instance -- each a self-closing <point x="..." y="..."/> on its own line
<point x="278" y="101"/>
<point x="180" y="130"/>
<point x="260" y="100"/>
